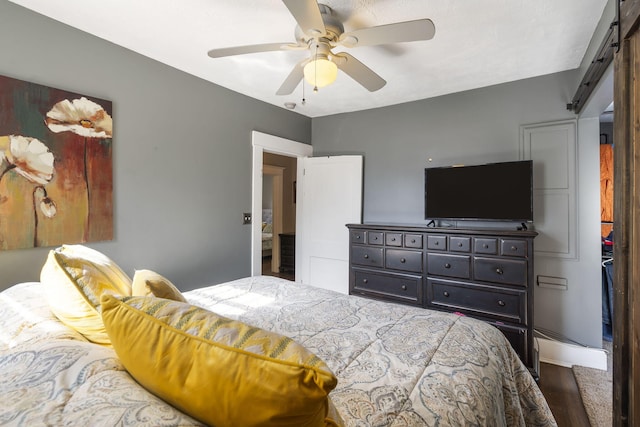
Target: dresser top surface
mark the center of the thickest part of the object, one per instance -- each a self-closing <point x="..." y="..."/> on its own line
<point x="418" y="228"/>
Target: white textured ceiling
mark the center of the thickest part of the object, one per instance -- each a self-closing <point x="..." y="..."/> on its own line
<point x="477" y="43"/>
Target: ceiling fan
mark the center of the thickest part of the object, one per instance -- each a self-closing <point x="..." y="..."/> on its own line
<point x="319" y="31"/>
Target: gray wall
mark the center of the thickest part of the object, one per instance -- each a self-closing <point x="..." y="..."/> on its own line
<point x="181" y="152"/>
<point x="468" y="128"/>
<point x="267" y="192"/>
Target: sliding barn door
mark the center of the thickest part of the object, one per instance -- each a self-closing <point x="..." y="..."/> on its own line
<point x="626" y="332"/>
<point x="331" y="198"/>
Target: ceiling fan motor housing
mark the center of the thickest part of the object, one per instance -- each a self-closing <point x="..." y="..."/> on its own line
<point x="333" y="28"/>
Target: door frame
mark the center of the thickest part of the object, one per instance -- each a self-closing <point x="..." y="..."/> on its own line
<point x="261" y="143"/>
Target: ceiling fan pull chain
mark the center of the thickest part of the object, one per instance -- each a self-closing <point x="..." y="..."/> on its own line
<point x="304" y="100"/>
<point x="315" y="66"/>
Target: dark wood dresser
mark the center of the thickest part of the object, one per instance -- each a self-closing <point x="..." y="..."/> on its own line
<point x="486" y="274"/>
<point x="287" y="252"/>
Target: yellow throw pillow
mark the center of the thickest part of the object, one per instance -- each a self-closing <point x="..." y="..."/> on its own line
<point x="75" y="277"/>
<point x="150" y="284"/>
<point x="218" y="370"/>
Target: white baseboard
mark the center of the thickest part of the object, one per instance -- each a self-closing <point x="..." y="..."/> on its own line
<point x="567" y="355"/>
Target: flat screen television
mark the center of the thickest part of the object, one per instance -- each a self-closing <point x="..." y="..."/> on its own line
<point x="489" y="192"/>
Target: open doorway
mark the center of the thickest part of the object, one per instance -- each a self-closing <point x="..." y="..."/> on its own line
<point x="606" y="218"/>
<point x="599" y="107"/>
<point x="278" y="215"/>
<point x="264" y="144"/>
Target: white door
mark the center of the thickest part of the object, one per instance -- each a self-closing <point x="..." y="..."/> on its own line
<point x="331" y="192"/>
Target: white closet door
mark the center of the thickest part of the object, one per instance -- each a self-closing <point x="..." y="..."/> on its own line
<point x="553" y="149"/>
<point x="331" y="194"/>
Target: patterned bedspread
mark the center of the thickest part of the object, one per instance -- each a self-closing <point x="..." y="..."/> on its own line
<point x="396" y="365"/>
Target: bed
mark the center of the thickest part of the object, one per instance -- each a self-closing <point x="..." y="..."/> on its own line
<point x="396" y="365"/>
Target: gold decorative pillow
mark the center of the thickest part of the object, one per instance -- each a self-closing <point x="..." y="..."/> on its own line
<point x="149" y="283"/>
<point x="218" y="370"/>
<point x="75" y="277"/>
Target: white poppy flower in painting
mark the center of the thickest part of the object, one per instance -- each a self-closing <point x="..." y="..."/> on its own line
<point x="30" y="158"/>
<point x="80" y="116"/>
<point x="47" y="205"/>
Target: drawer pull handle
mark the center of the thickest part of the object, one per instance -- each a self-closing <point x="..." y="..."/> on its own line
<point x="404" y="287"/>
<point x="393" y="239"/>
<point x="485" y="246"/>
<point x="365" y="280"/>
<point x="447" y="265"/>
<point x="445" y="293"/>
<point x="437" y="243"/>
<point x="501" y="303"/>
<point x="366" y="256"/>
<point x="513" y="248"/>
<point x="413" y="240"/>
<point x="402" y="260"/>
<point x="375" y="238"/>
<point x="459" y="244"/>
<point x="357" y="237"/>
<point x="499" y="271"/>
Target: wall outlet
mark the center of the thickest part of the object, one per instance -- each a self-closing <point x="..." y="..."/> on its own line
<point x="246" y="218"/>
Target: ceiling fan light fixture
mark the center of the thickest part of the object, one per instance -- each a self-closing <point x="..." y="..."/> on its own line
<point x="320" y="72"/>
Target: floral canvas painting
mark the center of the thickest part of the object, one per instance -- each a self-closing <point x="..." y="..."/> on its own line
<point x="56" y="175"/>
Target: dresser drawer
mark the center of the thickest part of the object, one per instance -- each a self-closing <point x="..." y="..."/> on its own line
<point x="518" y="337"/>
<point x="449" y="265"/>
<point x="437" y="243"/>
<point x="459" y="244"/>
<point x="393" y="239"/>
<point x="399" y="259"/>
<point x="357" y="236"/>
<point x="365" y="255"/>
<point x="375" y="237"/>
<point x="517" y="248"/>
<point x="509" y="305"/>
<point x="404" y="288"/>
<point x="413" y="241"/>
<point x="500" y="270"/>
<point x="483" y="245"/>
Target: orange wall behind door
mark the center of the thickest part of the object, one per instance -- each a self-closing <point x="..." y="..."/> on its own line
<point x="606" y="187"/>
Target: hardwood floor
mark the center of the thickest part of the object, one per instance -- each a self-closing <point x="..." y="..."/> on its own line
<point x="558" y="384"/>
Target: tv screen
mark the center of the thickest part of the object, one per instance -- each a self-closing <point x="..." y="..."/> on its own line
<point x="490" y="192"/>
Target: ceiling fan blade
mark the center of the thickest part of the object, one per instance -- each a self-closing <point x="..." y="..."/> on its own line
<point x="307" y="15"/>
<point x="242" y="50"/>
<point x="359" y="72"/>
<point x="421" y="29"/>
<point x="293" y="79"/>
